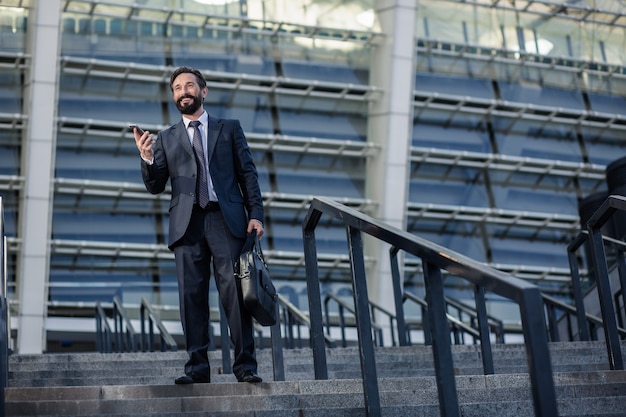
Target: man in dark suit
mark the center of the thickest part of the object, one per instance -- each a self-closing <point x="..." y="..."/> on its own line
<point x="216" y="201"/>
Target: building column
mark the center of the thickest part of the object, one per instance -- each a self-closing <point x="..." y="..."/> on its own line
<point x="37" y="169"/>
<point x="390" y="127"/>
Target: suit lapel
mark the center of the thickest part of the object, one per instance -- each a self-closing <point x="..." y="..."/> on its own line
<point x="183" y="137"/>
<point x="215" y="127"/>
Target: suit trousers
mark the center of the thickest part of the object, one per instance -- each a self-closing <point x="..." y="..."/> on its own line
<point x="209" y="241"/>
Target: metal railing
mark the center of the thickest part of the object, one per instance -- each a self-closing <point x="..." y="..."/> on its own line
<point x="104" y="333"/>
<point x="122" y="336"/>
<point x="342" y="307"/>
<point x="293" y="320"/>
<point x="597" y="241"/>
<point x="457" y="327"/>
<point x="5" y="328"/>
<point x="434" y="259"/>
<point x="569" y="313"/>
<point x="149" y="314"/>
<point x="463" y="310"/>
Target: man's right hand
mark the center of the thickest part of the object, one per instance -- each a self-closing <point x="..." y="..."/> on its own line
<point x="144" y="143"/>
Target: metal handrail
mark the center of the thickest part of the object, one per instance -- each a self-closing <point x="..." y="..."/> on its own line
<point x="601" y="216"/>
<point x="593" y="322"/>
<point x="104" y="334"/>
<point x="343" y="306"/>
<point x="572" y="248"/>
<point x="294" y="317"/>
<point x="146" y="311"/>
<point x="434" y="258"/>
<point x="124" y="331"/>
<point x="374" y="307"/>
<point x="495" y="324"/>
<point x="457" y="326"/>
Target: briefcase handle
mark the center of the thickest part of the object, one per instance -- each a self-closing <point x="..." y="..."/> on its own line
<point x="253" y="243"/>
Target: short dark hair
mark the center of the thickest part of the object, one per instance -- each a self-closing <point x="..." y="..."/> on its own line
<point x="181" y="70"/>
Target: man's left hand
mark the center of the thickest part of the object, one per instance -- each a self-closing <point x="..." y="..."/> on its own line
<point x="254" y="224"/>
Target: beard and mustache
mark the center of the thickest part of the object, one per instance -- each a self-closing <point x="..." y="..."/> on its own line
<point x="190" y="108"/>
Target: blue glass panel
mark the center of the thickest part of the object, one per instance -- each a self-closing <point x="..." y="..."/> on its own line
<point x="541" y="95"/>
<point x="458" y="86"/>
<point x="105" y="227"/>
<point x="319" y="175"/>
<point x="535" y="200"/>
<point x="606" y="103"/>
<point x="603" y="146"/>
<point x="424" y="191"/>
<point x="323" y="125"/>
<point x="521" y="252"/>
<point x="312" y="70"/>
<point x="89" y="279"/>
<point x="440" y="184"/>
<point x="10" y="200"/>
<point x="444" y="136"/>
<point x="240" y="64"/>
<point x="457" y="236"/>
<point x="250" y="108"/>
<point x="287" y="232"/>
<point x="263" y="169"/>
<point x="111" y="108"/>
<point x="9" y="160"/>
<point x="96" y="166"/>
<point x="10" y="91"/>
<point x="557" y="142"/>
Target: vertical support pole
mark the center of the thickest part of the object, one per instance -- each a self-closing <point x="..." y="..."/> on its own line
<point x="363" y="323"/>
<point x="537" y="353"/>
<point x="583" y="328"/>
<point x="606" y="302"/>
<point x="622" y="281"/>
<point x="397" y="296"/>
<point x="315" y="299"/>
<point x="483" y="327"/>
<point x="440" y="331"/>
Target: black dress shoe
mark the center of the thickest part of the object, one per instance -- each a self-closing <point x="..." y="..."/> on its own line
<point x="186" y="379"/>
<point x="249" y="376"/>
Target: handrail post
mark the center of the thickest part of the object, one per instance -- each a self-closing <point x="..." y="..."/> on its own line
<point x="538" y="353"/>
<point x="315" y="299"/>
<point x="599" y="218"/>
<point x="622" y="281"/>
<point x="397" y="296"/>
<point x="442" y="352"/>
<point x="363" y="323"/>
<point x="434" y="259"/>
<point x="583" y="330"/>
<point x="483" y="328"/>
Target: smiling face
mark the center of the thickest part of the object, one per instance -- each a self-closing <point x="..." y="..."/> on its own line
<point x="188" y="95"/>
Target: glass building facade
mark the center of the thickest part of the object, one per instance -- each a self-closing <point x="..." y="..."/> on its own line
<point x="478" y="125"/>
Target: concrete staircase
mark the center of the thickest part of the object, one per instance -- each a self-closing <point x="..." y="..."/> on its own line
<point x="141" y="384"/>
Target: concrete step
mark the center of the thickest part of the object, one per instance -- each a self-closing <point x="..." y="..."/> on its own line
<point x="158" y="368"/>
<point x="590" y="393"/>
<point x="141" y="384"/>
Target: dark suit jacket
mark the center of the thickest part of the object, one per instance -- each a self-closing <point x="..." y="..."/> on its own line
<point x="231" y="167"/>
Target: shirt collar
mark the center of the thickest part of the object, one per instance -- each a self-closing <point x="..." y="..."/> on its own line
<point x="204" y="119"/>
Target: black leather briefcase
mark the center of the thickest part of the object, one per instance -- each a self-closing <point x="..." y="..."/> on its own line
<point x="257" y="290"/>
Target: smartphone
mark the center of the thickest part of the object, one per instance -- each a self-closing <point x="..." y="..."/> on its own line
<point x="134" y="126"/>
